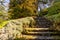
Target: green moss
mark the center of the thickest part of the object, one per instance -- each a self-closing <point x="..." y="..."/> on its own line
<point x="3" y="24"/>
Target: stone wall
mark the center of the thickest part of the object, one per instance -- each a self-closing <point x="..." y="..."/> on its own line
<point x="13" y="28"/>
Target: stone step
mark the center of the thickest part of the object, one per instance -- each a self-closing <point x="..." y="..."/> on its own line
<point x="40" y="30"/>
<point x="31" y="29"/>
<point x="39" y="37"/>
<point x="44" y="30"/>
<point x="42" y="33"/>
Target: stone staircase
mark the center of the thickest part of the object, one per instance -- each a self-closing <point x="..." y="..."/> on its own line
<point x="40" y="34"/>
<point x="41" y="31"/>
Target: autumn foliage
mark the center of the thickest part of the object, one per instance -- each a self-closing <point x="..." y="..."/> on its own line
<point x="22" y="8"/>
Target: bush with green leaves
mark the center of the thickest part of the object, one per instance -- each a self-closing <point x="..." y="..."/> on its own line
<point x="55" y="9"/>
<point x="56" y="1"/>
<point x="53" y="14"/>
<point x="56" y="21"/>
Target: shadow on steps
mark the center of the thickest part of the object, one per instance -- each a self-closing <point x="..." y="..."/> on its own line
<point x="42" y="22"/>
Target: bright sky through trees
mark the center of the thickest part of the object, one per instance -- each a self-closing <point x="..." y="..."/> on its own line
<point x="6" y="3"/>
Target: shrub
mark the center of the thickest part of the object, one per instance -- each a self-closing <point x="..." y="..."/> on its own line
<point x="55" y="9"/>
<point x="54" y="15"/>
<point x="57" y="1"/>
<point x="56" y="19"/>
